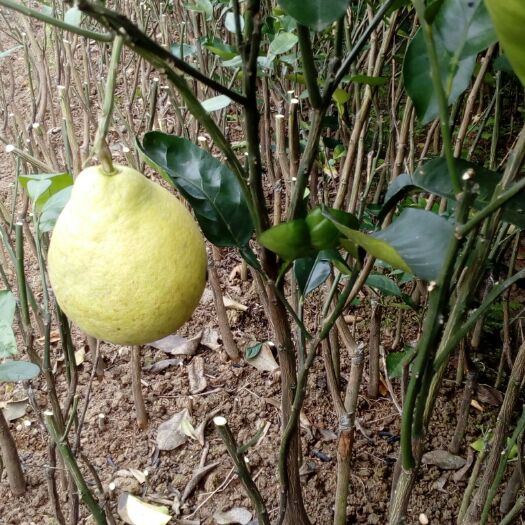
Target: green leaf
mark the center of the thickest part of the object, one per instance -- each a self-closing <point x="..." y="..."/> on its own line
<point x="52" y="208"/>
<point x="216" y="103"/>
<point x="183" y="50"/>
<point x="433" y="177"/>
<point x="384" y="284"/>
<point x="282" y="43"/>
<point x="229" y="22"/>
<point x="367" y="80"/>
<point x="396" y="361"/>
<point x="289" y="240"/>
<point x="323" y="234"/>
<point x="253" y="351"/>
<point x="316" y="14"/>
<point x="9" y="51"/>
<point x="418" y="81"/>
<point x="7" y="340"/>
<point x="42" y="186"/>
<point x="509" y="20"/>
<point x="201" y="6"/>
<point x="73" y="16"/>
<point x="209" y="186"/>
<point x="219" y="48"/>
<point x="7" y="306"/>
<point x="416" y="242"/>
<point x="312" y="272"/>
<point x="13" y="371"/>
<point x="464" y="28"/>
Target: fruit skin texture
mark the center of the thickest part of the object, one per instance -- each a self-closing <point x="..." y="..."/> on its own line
<point x="127" y="261"/>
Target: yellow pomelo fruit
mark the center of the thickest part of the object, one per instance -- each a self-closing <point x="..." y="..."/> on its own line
<point x="127" y="261"/>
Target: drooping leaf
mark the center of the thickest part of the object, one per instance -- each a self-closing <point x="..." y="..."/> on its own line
<point x="396" y="361"/>
<point x="316" y="14"/>
<point x="229" y="22"/>
<point x="509" y="20"/>
<point x="312" y="272"/>
<point x="416" y="242"/>
<point x="208" y="185"/>
<point x="43" y="186"/>
<point x="13" y="371"/>
<point x="323" y="234"/>
<point x="7" y="306"/>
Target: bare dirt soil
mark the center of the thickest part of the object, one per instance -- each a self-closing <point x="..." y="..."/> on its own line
<point x="246" y="397"/>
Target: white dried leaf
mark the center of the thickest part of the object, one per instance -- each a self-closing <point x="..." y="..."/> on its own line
<point x="80" y="356"/>
<point x="14" y="409"/>
<point x="162" y="365"/>
<point x="210" y="339"/>
<point x="177" y="345"/>
<point x="138" y="475"/>
<point x="173" y="433"/>
<point x="134" y="511"/>
<point x="236" y="515"/>
<point x="232" y="304"/>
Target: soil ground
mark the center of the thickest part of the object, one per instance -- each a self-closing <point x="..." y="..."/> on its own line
<point x="246" y="397"/>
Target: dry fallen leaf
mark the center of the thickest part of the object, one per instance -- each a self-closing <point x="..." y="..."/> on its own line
<point x="14" y="409"/>
<point x="235" y="515"/>
<point x="232" y="304"/>
<point x="198" y="474"/>
<point x="177" y="345"/>
<point x="174" y="432"/>
<point x="196" y="377"/>
<point x="443" y="459"/>
<point x="264" y="360"/>
<point x="162" y="365"/>
<point x="210" y="339"/>
<point x="476" y="405"/>
<point x="134" y="511"/>
<point x="489" y="395"/>
<point x="80" y="355"/>
<point x="139" y="475"/>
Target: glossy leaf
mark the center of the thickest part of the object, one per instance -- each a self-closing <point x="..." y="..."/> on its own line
<point x="209" y="186"/>
<point x="418" y="81"/>
<point x="323" y="234"/>
<point x="384" y="284"/>
<point x="253" y="351"/>
<point x="312" y="272"/>
<point x="289" y="240"/>
<point x="13" y="371"/>
<point x="216" y="103"/>
<point x="509" y="20"/>
<point x="415" y="242"/>
<point x="464" y="28"/>
<point x="7" y="306"/>
<point x="229" y="22"/>
<point x="43" y="186"/>
<point x="316" y="14"/>
<point x="52" y="208"/>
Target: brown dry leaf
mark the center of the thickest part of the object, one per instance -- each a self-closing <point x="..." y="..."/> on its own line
<point x="174" y="432"/>
<point x="440" y="483"/>
<point x="489" y="395"/>
<point x="232" y="304"/>
<point x="238" y="515"/>
<point x="134" y="511"/>
<point x="443" y="459"/>
<point x="162" y="365"/>
<point x="14" y="409"/>
<point x="264" y="360"/>
<point x="177" y="345"/>
<point x="197" y="476"/>
<point x="138" y="475"/>
<point x="196" y="377"/>
<point x="54" y="337"/>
